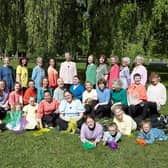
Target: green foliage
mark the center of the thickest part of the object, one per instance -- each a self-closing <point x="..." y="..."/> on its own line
<point x="50" y="27"/>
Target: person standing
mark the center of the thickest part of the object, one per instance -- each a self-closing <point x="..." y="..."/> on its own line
<point x="67" y="70"/>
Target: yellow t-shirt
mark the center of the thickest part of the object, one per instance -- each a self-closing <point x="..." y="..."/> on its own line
<point x="23" y="71"/>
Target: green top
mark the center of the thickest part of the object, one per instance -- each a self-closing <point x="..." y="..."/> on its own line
<point x="119" y="96"/>
<point x="91" y="73"/>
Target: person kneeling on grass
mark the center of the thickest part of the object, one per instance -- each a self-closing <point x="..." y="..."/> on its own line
<point x="112" y="136"/>
<point x="148" y="134"/>
<point x="71" y="113"/>
<point x="91" y="131"/>
<point x="124" y="122"/>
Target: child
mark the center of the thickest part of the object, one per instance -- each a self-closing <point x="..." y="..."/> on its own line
<point x="16" y="122"/>
<point x="112" y="136"/>
<point x="30" y="111"/>
<point x="148" y="134"/>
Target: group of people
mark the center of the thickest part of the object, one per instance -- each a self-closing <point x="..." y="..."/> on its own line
<point x="60" y="98"/>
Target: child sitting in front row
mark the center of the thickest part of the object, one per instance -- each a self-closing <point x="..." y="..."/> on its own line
<point x="148" y="134"/>
<point x="112" y="136"/>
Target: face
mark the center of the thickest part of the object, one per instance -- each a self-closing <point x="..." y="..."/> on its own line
<point x="2" y="85"/>
<point x="113" y="60"/>
<point x="52" y="62"/>
<point x="90" y="59"/>
<point x="101" y="60"/>
<point x="101" y="86"/>
<point x="17" y="87"/>
<point x="40" y="63"/>
<point x="68" y="97"/>
<point x="24" y="61"/>
<point x="45" y="82"/>
<point x="47" y="97"/>
<point x="146" y="127"/>
<point x="31" y="84"/>
<point x="75" y="81"/>
<point x="88" y="87"/>
<point x="116" y="87"/>
<point x="6" y="61"/>
<point x="124" y="63"/>
<point x="32" y="101"/>
<point x="155" y="80"/>
<point x="60" y="83"/>
<point x="90" y="123"/>
<point x="67" y="57"/>
<point x="119" y="114"/>
<point x="112" y="130"/>
<point x="137" y="80"/>
<point x="138" y="61"/>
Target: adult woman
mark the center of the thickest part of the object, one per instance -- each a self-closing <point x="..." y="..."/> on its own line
<point x="22" y="73"/>
<point x="16" y="96"/>
<point x="140" y="69"/>
<point x="40" y="90"/>
<point x="118" y="94"/>
<point x="69" y="109"/>
<point x="125" y="73"/>
<point x="7" y="74"/>
<point x="91" y="131"/>
<point x="102" y="108"/>
<point x="89" y="98"/>
<point x="77" y="89"/>
<point x="114" y="72"/>
<point x="52" y="74"/>
<point x="59" y="91"/>
<point x="38" y="72"/>
<point x="102" y="72"/>
<point x="124" y="122"/>
<point x="91" y="70"/>
<point x="47" y="111"/>
<point x="3" y="99"/>
<point x="31" y="91"/>
<point x="68" y="70"/>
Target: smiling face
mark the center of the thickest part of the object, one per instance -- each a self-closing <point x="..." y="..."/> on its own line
<point x="155" y="80"/>
<point x="31" y="84"/>
<point x="112" y="130"/>
<point x="90" y="123"/>
<point x="67" y="57"/>
<point x="146" y="127"/>
<point x="60" y="83"/>
<point x="24" y="61"/>
<point x="68" y="97"/>
<point x="45" y="83"/>
<point x="119" y="114"/>
<point x="6" y="61"/>
<point x="88" y="86"/>
<point x="2" y="85"/>
<point x="32" y="101"/>
<point x="17" y="87"/>
<point x="47" y="97"/>
<point x="76" y="81"/>
<point x="101" y="60"/>
<point x="137" y="80"/>
<point x="52" y="62"/>
<point x="113" y="60"/>
<point x="90" y="59"/>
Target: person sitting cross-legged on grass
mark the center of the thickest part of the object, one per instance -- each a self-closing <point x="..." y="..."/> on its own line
<point x="91" y="131"/>
<point x="112" y="136"/>
<point x="47" y="112"/>
<point x="71" y="110"/>
<point x="149" y="135"/>
<point x="124" y="122"/>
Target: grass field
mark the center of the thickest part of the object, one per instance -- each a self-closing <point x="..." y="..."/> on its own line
<point x="57" y="150"/>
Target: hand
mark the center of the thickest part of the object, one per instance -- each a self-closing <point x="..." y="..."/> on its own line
<point x="97" y="105"/>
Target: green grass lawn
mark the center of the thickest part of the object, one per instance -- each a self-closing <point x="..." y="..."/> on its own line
<point x="54" y="149"/>
<point x="57" y="150"/>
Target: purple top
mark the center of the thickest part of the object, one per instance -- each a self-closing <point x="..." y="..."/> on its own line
<point x="87" y="134"/>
